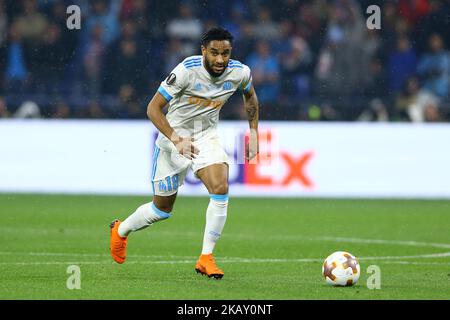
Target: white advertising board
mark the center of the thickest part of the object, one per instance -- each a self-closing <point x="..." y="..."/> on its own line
<point x="297" y="159"/>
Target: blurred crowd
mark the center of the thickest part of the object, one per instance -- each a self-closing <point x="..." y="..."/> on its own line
<point x="310" y="60"/>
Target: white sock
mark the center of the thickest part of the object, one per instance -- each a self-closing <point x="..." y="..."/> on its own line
<point x="144" y="216"/>
<point x="216" y="215"/>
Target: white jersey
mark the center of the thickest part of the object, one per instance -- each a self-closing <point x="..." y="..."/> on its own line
<point x="195" y="97"/>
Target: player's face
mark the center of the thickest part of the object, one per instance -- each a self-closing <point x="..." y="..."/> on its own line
<point x="216" y="56"/>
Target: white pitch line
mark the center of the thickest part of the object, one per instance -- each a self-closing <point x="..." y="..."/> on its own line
<point x="94" y="262"/>
<point x="240" y="260"/>
<point x="67" y="254"/>
<point x="390" y="242"/>
<point x="192" y="261"/>
<point x="244" y="260"/>
<point x="420" y="256"/>
<point x="188" y="259"/>
<point x="420" y="263"/>
<point x="334" y="239"/>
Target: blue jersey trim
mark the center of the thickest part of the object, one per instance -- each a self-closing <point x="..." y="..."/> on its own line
<point x="190" y="62"/>
<point x="165" y="93"/>
<point x="219" y="197"/>
<point x="247" y="87"/>
<point x="155" y="163"/>
<point x="193" y="65"/>
<point x="192" y="59"/>
<point x="160" y="213"/>
<point x="235" y="64"/>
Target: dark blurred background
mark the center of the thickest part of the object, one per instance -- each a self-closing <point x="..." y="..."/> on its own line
<point x="310" y="60"/>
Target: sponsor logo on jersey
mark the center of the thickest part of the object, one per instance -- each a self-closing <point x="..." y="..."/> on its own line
<point x="200" y="102"/>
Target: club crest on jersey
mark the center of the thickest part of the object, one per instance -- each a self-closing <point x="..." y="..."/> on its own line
<point x="227" y="85"/>
<point x="171" y="78"/>
<point x="198" y="87"/>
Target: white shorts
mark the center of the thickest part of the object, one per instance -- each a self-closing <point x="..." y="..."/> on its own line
<point x="169" y="167"/>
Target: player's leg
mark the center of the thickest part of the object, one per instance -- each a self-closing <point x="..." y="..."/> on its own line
<point x="144" y="216"/>
<point x="215" y="178"/>
<point x="165" y="182"/>
<point x="147" y="214"/>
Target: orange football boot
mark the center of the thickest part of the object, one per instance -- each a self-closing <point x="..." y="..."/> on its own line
<point x="118" y="244"/>
<point x="207" y="266"/>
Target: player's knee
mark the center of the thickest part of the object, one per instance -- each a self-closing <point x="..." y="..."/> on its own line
<point x="163" y="206"/>
<point x="219" y="188"/>
<point x="164" y="203"/>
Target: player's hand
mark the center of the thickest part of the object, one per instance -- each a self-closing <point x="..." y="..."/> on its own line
<point x="185" y="147"/>
<point x="252" y="147"/>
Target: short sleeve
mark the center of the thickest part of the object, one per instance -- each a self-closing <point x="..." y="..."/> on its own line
<point x="246" y="82"/>
<point x="175" y="83"/>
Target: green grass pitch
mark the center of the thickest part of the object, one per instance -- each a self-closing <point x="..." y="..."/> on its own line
<point x="270" y="248"/>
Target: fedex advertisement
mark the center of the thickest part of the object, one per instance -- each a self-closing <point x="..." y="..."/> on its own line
<point x="297" y="159"/>
<point x="340" y="160"/>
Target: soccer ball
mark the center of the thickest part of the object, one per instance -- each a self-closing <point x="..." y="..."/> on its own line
<point x="341" y="269"/>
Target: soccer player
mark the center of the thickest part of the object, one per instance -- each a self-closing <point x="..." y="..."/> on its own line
<point x="196" y="90"/>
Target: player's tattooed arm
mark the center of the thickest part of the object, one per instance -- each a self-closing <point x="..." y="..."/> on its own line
<point x="252" y="112"/>
<point x="252" y="109"/>
<point x="155" y="114"/>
